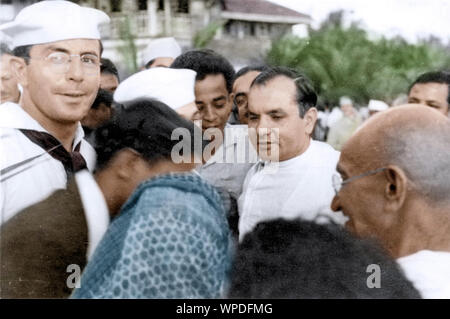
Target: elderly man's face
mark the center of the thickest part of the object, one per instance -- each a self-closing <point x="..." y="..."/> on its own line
<point x="361" y="199"/>
<point x="430" y="94"/>
<point x="9" y="91"/>
<point x="56" y="92"/>
<point x="274" y="114"/>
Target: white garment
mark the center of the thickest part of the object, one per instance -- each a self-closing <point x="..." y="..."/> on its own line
<point x="335" y="115"/>
<point x="95" y="208"/>
<point x="35" y="180"/>
<point x="429" y="271"/>
<point x="230" y="163"/>
<point x="298" y="187"/>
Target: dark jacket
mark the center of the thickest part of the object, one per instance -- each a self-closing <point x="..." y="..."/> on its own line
<point x="39" y="243"/>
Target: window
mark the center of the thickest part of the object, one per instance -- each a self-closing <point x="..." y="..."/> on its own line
<point x="116" y="5"/>
<point x="161" y="5"/>
<point x="142" y="5"/>
<point x="183" y="6"/>
<point x="252" y="29"/>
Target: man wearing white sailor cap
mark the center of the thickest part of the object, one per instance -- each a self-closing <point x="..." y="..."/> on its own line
<point x="174" y="87"/>
<point x="56" y="59"/>
<point x="161" y="52"/>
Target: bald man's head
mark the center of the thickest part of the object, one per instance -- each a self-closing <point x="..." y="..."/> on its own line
<point x="414" y="138"/>
<point x="395" y="179"/>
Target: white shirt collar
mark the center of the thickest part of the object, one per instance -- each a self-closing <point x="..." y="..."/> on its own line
<point x="12" y="115"/>
<point x="95" y="209"/>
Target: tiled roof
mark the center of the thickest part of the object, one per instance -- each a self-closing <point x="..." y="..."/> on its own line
<point x="260" y="7"/>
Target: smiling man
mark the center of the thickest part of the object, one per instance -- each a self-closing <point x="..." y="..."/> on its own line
<point x="431" y="89"/>
<point x="57" y="52"/>
<point x="394" y="191"/>
<point x="293" y="179"/>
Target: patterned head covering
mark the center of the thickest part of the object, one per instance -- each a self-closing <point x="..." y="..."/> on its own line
<point x="171" y="240"/>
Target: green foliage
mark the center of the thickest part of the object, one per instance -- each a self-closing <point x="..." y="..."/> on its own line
<point x="129" y="49"/>
<point x="205" y="35"/>
<point x="347" y="62"/>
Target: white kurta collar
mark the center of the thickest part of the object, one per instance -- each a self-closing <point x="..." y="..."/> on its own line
<point x="12" y="115"/>
<point x="95" y="208"/>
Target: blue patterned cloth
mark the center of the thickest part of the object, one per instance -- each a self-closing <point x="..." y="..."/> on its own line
<point x="171" y="240"/>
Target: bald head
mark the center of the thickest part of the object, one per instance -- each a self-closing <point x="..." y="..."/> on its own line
<point x="412" y="137"/>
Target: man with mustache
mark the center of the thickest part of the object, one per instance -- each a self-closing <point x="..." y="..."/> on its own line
<point x="293" y="178"/>
<point x="57" y="52"/>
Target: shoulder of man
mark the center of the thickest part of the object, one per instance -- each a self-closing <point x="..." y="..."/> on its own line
<point x="49" y="236"/>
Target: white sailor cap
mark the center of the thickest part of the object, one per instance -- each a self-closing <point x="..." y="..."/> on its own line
<point x="376" y="105"/>
<point x="174" y="87"/>
<point x="345" y="100"/>
<point x="51" y="21"/>
<point x="162" y="48"/>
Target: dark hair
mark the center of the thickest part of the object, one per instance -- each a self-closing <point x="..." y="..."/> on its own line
<point x="442" y="77"/>
<point x="4" y="49"/>
<point x="149" y="63"/>
<point x="206" y="62"/>
<point x="23" y="51"/>
<point x="306" y="96"/>
<point x="246" y="69"/>
<point x="108" y="67"/>
<point x="146" y="126"/>
<point x="104" y="97"/>
<point x="302" y="259"/>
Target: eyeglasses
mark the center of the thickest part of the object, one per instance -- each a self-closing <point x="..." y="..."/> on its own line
<point x="60" y="62"/>
<point x="338" y="182"/>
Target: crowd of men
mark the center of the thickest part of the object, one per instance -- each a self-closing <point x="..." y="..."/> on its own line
<point x="191" y="180"/>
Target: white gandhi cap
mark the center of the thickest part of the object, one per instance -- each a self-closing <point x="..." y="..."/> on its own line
<point x="162" y="48"/>
<point x="375" y="105"/>
<point x="51" y="21"/>
<point x="174" y="87"/>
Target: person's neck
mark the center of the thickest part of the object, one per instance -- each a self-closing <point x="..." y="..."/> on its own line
<point x="113" y="190"/>
<point x="423" y="228"/>
<point x="63" y="132"/>
<point x="299" y="152"/>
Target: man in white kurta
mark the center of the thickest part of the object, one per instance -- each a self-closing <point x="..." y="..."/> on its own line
<point x="298" y="187"/>
<point x="57" y="62"/>
<point x="294" y="177"/>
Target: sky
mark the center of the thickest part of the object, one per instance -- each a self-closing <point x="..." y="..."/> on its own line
<point x="412" y="19"/>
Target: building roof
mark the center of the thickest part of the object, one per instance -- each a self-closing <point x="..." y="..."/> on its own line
<point x="263" y="8"/>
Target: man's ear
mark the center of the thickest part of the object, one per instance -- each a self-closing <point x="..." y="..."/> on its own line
<point x="231" y="97"/>
<point x="310" y="120"/>
<point x="19" y="69"/>
<point x="395" y="191"/>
